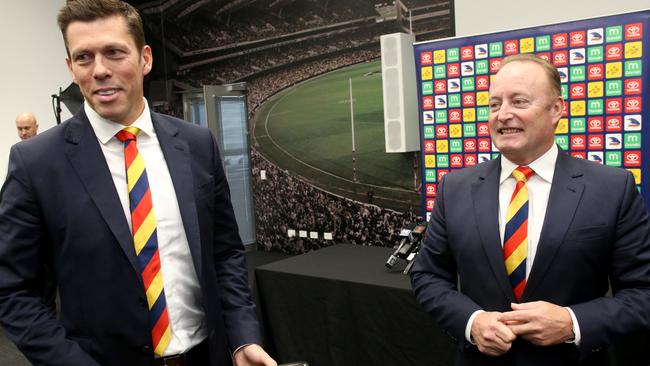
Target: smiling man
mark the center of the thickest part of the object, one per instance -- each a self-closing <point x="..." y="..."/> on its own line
<point x="534" y="238"/>
<point x="109" y="64"/>
<point x="131" y="211"/>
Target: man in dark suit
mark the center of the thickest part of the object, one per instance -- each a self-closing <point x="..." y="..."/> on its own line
<point x="148" y="261"/>
<point x="515" y="267"/>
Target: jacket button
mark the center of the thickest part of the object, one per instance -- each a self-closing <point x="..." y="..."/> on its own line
<point x="146" y="349"/>
<point x="142" y="301"/>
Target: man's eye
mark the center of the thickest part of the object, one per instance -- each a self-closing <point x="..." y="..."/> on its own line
<point x="115" y="52"/>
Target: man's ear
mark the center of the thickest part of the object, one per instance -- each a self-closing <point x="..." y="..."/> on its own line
<point x="557" y="108"/>
<point x="68" y="62"/>
<point x="147" y="59"/>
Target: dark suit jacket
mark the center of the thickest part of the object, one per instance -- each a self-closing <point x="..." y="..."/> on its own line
<point x="596" y="229"/>
<point x="59" y="198"/>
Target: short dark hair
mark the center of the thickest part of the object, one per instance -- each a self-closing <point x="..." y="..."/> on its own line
<point x="90" y="10"/>
<point x="551" y="72"/>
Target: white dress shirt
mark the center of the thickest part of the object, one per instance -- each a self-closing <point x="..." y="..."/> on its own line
<point x="180" y="281"/>
<point x="539" y="189"/>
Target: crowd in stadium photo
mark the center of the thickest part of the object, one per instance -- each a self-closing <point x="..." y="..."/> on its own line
<point x="284" y="202"/>
<point x="254" y="25"/>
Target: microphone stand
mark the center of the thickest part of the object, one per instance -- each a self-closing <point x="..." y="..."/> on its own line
<point x="56" y="105"/>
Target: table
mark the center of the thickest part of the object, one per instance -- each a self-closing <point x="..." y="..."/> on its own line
<point x="340" y="306"/>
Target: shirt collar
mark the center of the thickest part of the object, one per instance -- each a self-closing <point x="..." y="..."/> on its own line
<point x="106" y="129"/>
<point x="544" y="166"/>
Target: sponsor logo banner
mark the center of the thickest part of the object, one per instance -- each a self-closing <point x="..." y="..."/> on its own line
<point x="602" y="68"/>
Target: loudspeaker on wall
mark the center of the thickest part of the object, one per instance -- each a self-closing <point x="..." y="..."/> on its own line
<point x="401" y="127"/>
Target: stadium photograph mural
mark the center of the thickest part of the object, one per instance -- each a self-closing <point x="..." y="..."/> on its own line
<point x="310" y="126"/>
<point x="313" y="76"/>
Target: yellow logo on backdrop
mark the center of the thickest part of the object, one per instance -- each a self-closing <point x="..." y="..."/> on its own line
<point x="527" y="45"/>
<point x="562" y="126"/>
<point x="482" y="98"/>
<point x="613" y="70"/>
<point x="439" y="57"/>
<point x="427" y="73"/>
<point x="577" y="108"/>
<point x="595" y="89"/>
<point x="442" y="146"/>
<point x="455" y="130"/>
<point x="637" y="175"/>
<point x="633" y="50"/>
<point x="469" y="115"/>
<point x="429" y="161"/>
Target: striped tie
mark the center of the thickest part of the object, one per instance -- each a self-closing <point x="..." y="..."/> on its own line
<point x="145" y="239"/>
<point x="515" y="240"/>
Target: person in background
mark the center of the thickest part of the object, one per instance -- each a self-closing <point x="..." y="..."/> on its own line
<point x="131" y="210"/>
<point x="520" y="251"/>
<point x="26" y="125"/>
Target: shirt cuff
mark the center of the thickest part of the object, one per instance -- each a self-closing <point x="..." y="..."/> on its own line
<point x="240" y="347"/>
<point x="576" y="328"/>
<point x="468" y="328"/>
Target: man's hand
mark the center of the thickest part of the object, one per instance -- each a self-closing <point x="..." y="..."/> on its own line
<point x="491" y="336"/>
<point x="253" y="355"/>
<point x="540" y="322"/>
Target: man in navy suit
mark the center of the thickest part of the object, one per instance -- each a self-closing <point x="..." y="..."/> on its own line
<point x="587" y="227"/>
<point x="65" y="203"/>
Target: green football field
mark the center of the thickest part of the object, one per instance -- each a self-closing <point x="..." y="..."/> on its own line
<point x="306" y="129"/>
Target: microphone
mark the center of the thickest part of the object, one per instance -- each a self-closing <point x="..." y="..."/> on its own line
<point x="394" y="258"/>
<point x="418" y="231"/>
<point x="417" y="235"/>
<point x="408" y="247"/>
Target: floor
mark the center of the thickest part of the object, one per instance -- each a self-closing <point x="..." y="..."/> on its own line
<point x="10" y="356"/>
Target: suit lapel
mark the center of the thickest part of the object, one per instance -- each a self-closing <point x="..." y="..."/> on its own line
<point x="87" y="159"/>
<point x="563" y="201"/>
<point x="179" y="163"/>
<point x="485" y="195"/>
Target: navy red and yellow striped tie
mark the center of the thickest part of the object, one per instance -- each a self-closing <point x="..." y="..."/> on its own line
<point x="145" y="239"/>
<point x="515" y="239"/>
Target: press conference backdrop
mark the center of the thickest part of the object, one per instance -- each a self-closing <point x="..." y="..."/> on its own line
<point x="602" y="63"/>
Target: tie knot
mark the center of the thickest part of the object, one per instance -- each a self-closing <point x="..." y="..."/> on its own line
<point x="522" y="173"/>
<point x="127" y="133"/>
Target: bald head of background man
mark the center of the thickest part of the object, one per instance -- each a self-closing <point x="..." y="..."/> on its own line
<point x="26" y="125"/>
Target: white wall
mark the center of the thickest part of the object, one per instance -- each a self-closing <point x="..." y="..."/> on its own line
<point x="480" y="16"/>
<point x="32" y="67"/>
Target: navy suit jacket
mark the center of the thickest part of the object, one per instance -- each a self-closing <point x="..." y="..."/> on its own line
<point x="59" y="206"/>
<point x="596" y="230"/>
